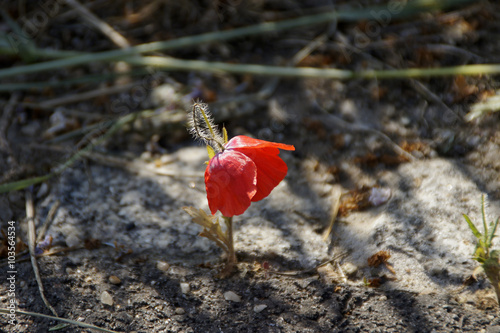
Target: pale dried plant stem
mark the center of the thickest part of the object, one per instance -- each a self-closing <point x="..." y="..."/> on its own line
<point x="30" y="216"/>
<point x="99" y="24"/>
<point x="64" y="320"/>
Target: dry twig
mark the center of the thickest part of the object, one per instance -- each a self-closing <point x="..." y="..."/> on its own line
<point x="336" y="193"/>
<point x="50" y="104"/>
<point x="102" y="26"/>
<point x="48" y="220"/>
<point x="30" y="216"/>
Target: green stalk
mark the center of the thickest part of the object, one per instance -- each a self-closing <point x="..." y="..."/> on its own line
<point x="350" y="15"/>
<point x="208" y="123"/>
<point x="231" y="255"/>
<point x="9" y="87"/>
<point x="168" y="63"/>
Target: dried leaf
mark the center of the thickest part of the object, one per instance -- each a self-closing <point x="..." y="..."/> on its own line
<point x="211" y="227"/>
<point x="374" y="283"/>
<point x="379" y="258"/>
<point x="462" y="89"/>
<point x="200" y="217"/>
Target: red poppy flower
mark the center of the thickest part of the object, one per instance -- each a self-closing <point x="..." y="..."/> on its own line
<point x="246" y="170"/>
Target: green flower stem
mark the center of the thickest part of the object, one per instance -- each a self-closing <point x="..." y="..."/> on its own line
<point x="208" y="123"/>
<point x="129" y="54"/>
<point x="231" y="255"/>
<point x="167" y="63"/>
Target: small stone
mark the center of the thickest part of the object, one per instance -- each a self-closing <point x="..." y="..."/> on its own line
<point x="106" y="298"/>
<point x="115" y="279"/>
<point x="349" y="269"/>
<point x="462" y="299"/>
<point x="167" y="159"/>
<point x="146" y="155"/>
<point x="31" y="129"/>
<point x="327" y="273"/>
<point x="259" y="308"/>
<point x="44" y="189"/>
<point x="379" y="196"/>
<point x="180" y="311"/>
<point x="72" y="240"/>
<point x="185" y="288"/>
<point x="179" y="318"/>
<point x="162" y="265"/>
<point x="493" y="329"/>
<point x="231" y="296"/>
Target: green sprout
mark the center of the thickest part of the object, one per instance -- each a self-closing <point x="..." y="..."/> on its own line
<point x="489" y="259"/>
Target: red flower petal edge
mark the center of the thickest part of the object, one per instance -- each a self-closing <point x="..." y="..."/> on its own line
<point x="247" y="170"/>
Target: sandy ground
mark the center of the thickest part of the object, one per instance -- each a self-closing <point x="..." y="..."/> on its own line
<point x="133" y="260"/>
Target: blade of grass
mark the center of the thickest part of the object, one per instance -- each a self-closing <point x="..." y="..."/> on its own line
<point x="483" y="214"/>
<point x="18" y="185"/>
<point x="472" y="227"/>
<point x="168" y="63"/>
<point x="69" y="321"/>
<point x="6" y="49"/>
<point x="492" y="233"/>
<point x="26" y="49"/>
<point x="78" y="155"/>
<point x="84" y="79"/>
<point x="80" y="131"/>
<point x="350" y="15"/>
<point x="30" y="216"/>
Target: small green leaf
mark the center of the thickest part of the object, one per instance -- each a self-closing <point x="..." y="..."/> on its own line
<point x="211" y="152"/>
<point x="479" y="252"/>
<point x="483" y="213"/>
<point x="472" y="227"/>
<point x="200" y="217"/>
<point x="495" y="255"/>
<point x="225" y="134"/>
<point x="58" y="327"/>
<point x="492" y="231"/>
<point x="21" y="184"/>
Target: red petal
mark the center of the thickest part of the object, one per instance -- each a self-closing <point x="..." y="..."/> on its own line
<point x="271" y="169"/>
<point x="242" y="141"/>
<point x="230" y="181"/>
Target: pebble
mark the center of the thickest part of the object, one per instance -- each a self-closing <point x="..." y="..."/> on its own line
<point x="72" y="240"/>
<point x="106" y="298"/>
<point x="259" y="308"/>
<point x="44" y="189"/>
<point x="379" y="196"/>
<point x="231" y="296"/>
<point x="180" y="311"/>
<point x="185" y="288"/>
<point x="349" y="269"/>
<point x="162" y="265"/>
<point x="115" y="279"/>
<point x="31" y="129"/>
<point x="493" y="329"/>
